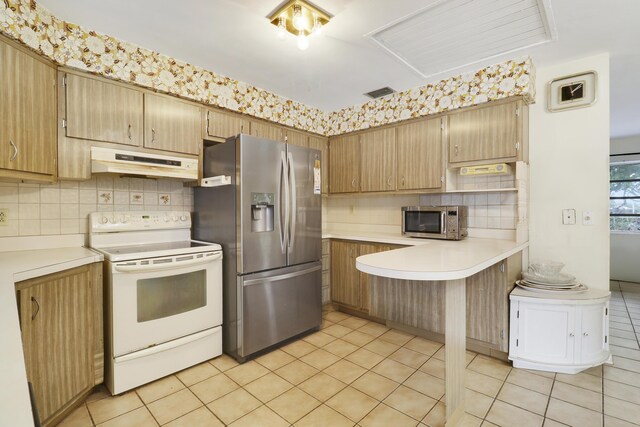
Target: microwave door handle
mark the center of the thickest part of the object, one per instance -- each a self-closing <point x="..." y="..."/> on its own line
<point x="166" y="266"/>
<point x="443" y="222"/>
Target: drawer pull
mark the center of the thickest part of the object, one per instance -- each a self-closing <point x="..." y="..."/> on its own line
<point x="15" y="150"/>
<point x="35" y="301"/>
<point x="129" y="132"/>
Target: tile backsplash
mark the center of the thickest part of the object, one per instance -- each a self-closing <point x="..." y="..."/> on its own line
<point x="63" y="208"/>
<point x="497" y="210"/>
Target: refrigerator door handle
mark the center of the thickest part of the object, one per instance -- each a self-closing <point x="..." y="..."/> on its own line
<point x="292" y="183"/>
<point x="284" y="219"/>
<point x="285" y="276"/>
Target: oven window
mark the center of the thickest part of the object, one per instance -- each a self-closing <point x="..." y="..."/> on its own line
<point x="167" y="296"/>
<point x="422" y="222"/>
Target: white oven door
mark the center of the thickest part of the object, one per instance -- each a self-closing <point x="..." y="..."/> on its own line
<point x="160" y="299"/>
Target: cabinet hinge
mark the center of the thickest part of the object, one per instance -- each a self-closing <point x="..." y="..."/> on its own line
<point x="64" y="123"/>
<point x="517" y="146"/>
<point x="606" y="311"/>
<point x="502" y="334"/>
<point x="64" y="80"/>
<point x="605" y="339"/>
<point x="442" y="125"/>
<point x="518" y="112"/>
<point x="442" y="179"/>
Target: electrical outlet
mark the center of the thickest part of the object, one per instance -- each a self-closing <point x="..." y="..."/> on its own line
<point x="4" y="217"/>
<point x="569" y="216"/>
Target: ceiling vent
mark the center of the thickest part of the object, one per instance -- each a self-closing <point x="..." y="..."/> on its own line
<point x="451" y="34"/>
<point x="379" y="93"/>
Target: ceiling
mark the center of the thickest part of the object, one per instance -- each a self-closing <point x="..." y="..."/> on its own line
<point x="234" y="38"/>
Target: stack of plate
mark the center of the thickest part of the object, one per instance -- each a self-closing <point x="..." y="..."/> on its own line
<point x="533" y="280"/>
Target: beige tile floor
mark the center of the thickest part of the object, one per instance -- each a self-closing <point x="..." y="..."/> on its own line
<point x="354" y="372"/>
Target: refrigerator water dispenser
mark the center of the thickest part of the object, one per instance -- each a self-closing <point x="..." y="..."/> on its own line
<point x="262" y="209"/>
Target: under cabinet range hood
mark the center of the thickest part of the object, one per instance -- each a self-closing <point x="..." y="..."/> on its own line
<point x="106" y="160"/>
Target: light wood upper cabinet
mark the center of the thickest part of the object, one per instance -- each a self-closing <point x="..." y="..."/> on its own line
<point x="378" y="166"/>
<point x="267" y="131"/>
<point x="171" y="124"/>
<point x="322" y="144"/>
<point x="27" y="115"/>
<point x="59" y="337"/>
<point x="297" y="138"/>
<point x="484" y="133"/>
<point x="420" y="162"/>
<point x="344" y="161"/>
<point x="345" y="278"/>
<point x="101" y="111"/>
<point x="223" y="125"/>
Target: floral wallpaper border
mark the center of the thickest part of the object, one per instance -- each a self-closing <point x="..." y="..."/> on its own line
<point x="73" y="46"/>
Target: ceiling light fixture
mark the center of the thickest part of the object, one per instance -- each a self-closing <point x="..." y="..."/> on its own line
<point x="300" y="18"/>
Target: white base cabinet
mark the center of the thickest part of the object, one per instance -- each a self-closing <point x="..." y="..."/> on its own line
<point x="559" y="333"/>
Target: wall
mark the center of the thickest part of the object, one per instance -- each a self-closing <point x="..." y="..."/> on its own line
<point x="625" y="247"/>
<point x="74" y="46"/>
<point x="63" y="208"/>
<point x="569" y="158"/>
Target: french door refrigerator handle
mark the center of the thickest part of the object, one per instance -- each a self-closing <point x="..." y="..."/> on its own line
<point x="283" y="219"/>
<point x="292" y="183"/>
<point x="285" y="276"/>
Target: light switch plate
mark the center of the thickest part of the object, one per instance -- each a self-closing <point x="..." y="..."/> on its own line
<point x="587" y="218"/>
<point x="569" y="216"/>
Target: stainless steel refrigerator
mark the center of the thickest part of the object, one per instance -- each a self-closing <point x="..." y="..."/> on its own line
<point x="269" y="223"/>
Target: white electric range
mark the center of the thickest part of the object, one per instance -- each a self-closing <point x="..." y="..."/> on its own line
<point x="163" y="299"/>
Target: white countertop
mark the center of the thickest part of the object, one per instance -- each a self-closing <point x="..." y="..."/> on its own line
<point x="439" y="259"/>
<point x="388" y="238"/>
<point x="15" y="407"/>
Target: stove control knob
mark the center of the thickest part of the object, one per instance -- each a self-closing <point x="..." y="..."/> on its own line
<point x="166" y="219"/>
<point x="124" y="219"/>
<point x="174" y="218"/>
<point x="113" y="220"/>
<point x="103" y="220"/>
<point x="183" y="218"/>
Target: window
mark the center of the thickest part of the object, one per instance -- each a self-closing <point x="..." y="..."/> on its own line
<point x="624" y="197"/>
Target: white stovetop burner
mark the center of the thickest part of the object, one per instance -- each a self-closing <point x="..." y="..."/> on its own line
<point x="123" y="236"/>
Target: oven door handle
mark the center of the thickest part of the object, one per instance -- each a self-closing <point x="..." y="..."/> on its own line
<point x="166" y="266"/>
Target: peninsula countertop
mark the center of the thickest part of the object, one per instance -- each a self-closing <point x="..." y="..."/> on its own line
<point x="15" y="266"/>
<point x="439" y="259"/>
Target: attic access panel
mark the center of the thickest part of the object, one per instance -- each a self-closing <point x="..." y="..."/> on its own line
<point x="451" y="34"/>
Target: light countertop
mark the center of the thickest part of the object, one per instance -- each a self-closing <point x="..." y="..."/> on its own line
<point x="15" y="266"/>
<point x="439" y="259"/>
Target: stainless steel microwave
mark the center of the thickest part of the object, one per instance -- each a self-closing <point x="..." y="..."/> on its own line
<point x="435" y="222"/>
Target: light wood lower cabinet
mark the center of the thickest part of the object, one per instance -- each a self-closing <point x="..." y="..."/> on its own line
<point x="171" y="124"/>
<point x="420" y="305"/>
<point x="61" y="324"/>
<point x="27" y="115"/>
<point x="349" y="286"/>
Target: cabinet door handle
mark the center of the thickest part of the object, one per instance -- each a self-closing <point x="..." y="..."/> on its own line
<point x="153" y="135"/>
<point x="402" y="181"/>
<point x="389" y="181"/>
<point x="35" y="301"/>
<point x="15" y="151"/>
<point x="129" y="131"/>
<point x="455" y="150"/>
<point x="353" y="183"/>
